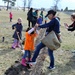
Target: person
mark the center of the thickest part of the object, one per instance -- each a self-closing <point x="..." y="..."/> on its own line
<point x="17" y="34"/>
<point x="35" y="16"/>
<point x="46" y="19"/>
<point x="41" y="15"/>
<point x="72" y="26"/>
<point x="10" y="16"/>
<point x="52" y="25"/>
<point x="30" y="16"/>
<point x="39" y="20"/>
<point x="30" y="35"/>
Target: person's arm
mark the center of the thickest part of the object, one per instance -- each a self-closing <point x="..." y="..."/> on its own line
<point x="37" y="32"/>
<point x="71" y="27"/>
<point x="14" y="26"/>
<point x="31" y="30"/>
<point x="47" y="24"/>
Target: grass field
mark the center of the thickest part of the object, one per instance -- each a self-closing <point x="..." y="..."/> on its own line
<point x="8" y="56"/>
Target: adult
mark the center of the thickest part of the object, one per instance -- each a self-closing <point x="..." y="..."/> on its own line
<point x="30" y="16"/>
<point x="35" y="16"/>
<point x="41" y="15"/>
<point x="52" y="25"/>
<point x="72" y="26"/>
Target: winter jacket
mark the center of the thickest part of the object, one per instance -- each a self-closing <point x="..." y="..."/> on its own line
<point x="29" y="41"/>
<point x="52" y="25"/>
<point x="30" y="16"/>
<point x="18" y="29"/>
<point x="72" y="27"/>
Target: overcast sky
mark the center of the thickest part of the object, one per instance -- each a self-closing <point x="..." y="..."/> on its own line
<point x="47" y="3"/>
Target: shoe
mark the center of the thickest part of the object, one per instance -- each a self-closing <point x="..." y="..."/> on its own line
<point x="29" y="60"/>
<point x="12" y="47"/>
<point x="28" y="66"/>
<point x="23" y="62"/>
<point x="32" y="62"/>
<point x="51" y="68"/>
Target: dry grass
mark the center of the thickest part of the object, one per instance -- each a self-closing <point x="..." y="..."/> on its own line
<point x="8" y="56"/>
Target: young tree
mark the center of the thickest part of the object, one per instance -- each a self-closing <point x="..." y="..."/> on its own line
<point x="24" y="5"/>
<point x="56" y="4"/>
<point x="29" y="3"/>
<point x="11" y="2"/>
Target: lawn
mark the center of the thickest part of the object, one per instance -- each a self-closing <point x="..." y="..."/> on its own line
<point x="8" y="56"/>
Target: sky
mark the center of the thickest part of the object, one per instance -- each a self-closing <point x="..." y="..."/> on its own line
<point x="47" y="3"/>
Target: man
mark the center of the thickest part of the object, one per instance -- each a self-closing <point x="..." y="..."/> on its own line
<point x="52" y="25"/>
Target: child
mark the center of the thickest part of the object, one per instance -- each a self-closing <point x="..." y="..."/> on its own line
<point x="72" y="26"/>
<point x="10" y="15"/>
<point x="39" y="20"/>
<point x="17" y="34"/>
<point x="29" y="45"/>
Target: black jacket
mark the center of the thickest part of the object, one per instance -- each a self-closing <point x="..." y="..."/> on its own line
<point x="30" y="16"/>
<point x="72" y="27"/>
<point x="18" y="29"/>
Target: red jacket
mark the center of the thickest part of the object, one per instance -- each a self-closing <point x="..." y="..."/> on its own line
<point x="10" y="15"/>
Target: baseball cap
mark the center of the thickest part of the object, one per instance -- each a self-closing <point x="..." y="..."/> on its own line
<point x="51" y="12"/>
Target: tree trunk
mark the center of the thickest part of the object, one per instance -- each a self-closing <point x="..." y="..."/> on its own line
<point x="7" y="6"/>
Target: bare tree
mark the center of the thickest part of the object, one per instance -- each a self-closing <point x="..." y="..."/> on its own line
<point x="11" y="2"/>
<point x="56" y="4"/>
<point x="29" y="3"/>
<point x="24" y="5"/>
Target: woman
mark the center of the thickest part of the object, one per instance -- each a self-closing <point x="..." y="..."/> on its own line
<point x="35" y="16"/>
<point x="30" y="16"/>
<point x="72" y="26"/>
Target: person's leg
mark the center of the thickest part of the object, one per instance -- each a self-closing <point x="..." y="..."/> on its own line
<point x="36" y="53"/>
<point x="28" y="23"/>
<point x="14" y="43"/>
<point x="29" y="56"/>
<point x="23" y="62"/>
<point x="51" y="55"/>
<point x="33" y="24"/>
<point x="18" y="44"/>
<point x="29" y="59"/>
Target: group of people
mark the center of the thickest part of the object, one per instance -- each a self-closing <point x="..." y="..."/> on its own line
<point x="31" y="33"/>
<point x="33" y="17"/>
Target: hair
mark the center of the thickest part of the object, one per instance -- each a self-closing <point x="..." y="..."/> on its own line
<point x="52" y="12"/>
<point x="20" y="18"/>
<point x="31" y="9"/>
<point x="73" y="16"/>
<point x="36" y="11"/>
<point x="29" y="29"/>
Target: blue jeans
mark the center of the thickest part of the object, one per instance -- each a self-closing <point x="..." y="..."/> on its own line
<point x="27" y="54"/>
<point x="50" y="52"/>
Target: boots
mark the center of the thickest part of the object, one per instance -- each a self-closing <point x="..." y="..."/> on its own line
<point x="29" y="65"/>
<point x="14" y="45"/>
<point x="23" y="62"/>
<point x="29" y="60"/>
<point x="18" y="44"/>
